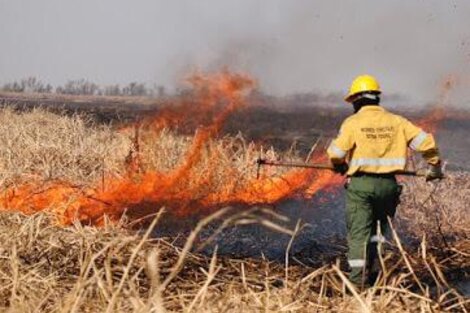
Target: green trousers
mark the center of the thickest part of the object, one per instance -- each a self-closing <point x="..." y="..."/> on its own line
<point x="370" y="200"/>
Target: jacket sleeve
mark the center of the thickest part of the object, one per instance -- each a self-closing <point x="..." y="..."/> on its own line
<point x="420" y="141"/>
<point x="339" y="147"/>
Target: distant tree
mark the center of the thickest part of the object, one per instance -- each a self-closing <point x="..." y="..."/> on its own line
<point x="135" y="89"/>
<point x="78" y="87"/>
<point x="59" y="90"/>
<point x="84" y="87"/>
<point x="48" y="88"/>
<point x="12" y="87"/>
<point x="29" y="84"/>
<point x="112" y="90"/>
<point x="161" y="91"/>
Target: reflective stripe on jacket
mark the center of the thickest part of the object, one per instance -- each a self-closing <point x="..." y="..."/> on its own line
<point x="375" y="141"/>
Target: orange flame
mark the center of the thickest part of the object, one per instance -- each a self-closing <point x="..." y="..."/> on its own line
<point x="139" y="194"/>
<point x="440" y="110"/>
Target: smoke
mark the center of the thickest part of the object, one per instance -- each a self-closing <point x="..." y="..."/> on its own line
<point x="289" y="46"/>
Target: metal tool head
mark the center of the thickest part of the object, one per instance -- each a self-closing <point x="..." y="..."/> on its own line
<point x="259" y="163"/>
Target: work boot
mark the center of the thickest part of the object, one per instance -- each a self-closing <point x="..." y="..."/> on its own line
<point x="372" y="278"/>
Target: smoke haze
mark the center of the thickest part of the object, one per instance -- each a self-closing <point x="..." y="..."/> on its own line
<point x="289" y="46"/>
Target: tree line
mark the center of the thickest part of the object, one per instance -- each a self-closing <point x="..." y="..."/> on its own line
<point x="83" y="87"/>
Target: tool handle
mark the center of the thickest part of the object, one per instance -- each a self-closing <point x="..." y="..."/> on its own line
<point x="295" y="164"/>
<point x="321" y="166"/>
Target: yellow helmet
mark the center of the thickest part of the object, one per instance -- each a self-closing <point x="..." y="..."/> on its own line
<point x="362" y="84"/>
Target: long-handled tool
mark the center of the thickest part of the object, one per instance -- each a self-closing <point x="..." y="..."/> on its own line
<point x="260" y="162"/>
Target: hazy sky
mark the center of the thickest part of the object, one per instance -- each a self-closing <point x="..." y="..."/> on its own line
<point x="289" y="46"/>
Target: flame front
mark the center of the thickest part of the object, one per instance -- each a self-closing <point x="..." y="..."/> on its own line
<point x="182" y="190"/>
<point x="440" y="111"/>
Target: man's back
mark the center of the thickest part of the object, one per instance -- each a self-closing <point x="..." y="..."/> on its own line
<point x="377" y="141"/>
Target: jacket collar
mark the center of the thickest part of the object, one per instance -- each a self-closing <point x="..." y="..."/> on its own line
<point x="371" y="108"/>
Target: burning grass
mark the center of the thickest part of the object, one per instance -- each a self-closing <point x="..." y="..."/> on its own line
<point x="70" y="171"/>
<point x="201" y="175"/>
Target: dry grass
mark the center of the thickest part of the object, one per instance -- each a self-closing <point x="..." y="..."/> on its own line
<point x="439" y="206"/>
<point x="46" y="268"/>
<point x="46" y="146"/>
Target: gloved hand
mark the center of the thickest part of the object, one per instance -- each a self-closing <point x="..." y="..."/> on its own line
<point x="341" y="168"/>
<point x="434" y="172"/>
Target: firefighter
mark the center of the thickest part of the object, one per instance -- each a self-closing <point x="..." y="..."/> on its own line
<point x="370" y="148"/>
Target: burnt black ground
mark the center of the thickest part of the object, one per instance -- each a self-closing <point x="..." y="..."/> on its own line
<point x="323" y="233"/>
<point x="320" y="241"/>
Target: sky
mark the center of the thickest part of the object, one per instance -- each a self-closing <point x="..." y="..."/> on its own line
<point x="288" y="46"/>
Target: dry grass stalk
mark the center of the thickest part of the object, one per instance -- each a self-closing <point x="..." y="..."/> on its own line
<point x="88" y="269"/>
